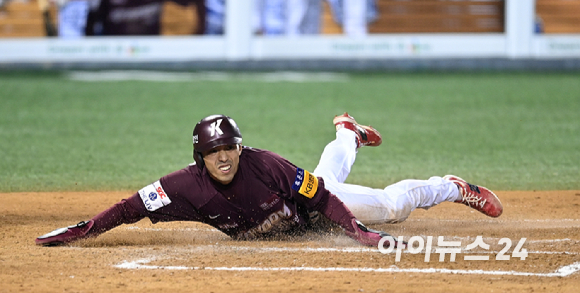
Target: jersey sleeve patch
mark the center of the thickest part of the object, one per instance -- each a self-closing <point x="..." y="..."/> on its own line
<point x="305" y="183"/>
<point x="153" y="196"/>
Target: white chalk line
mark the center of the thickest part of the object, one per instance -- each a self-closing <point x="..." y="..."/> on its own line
<point x="163" y="76"/>
<point x="563" y="271"/>
<point x="353" y="250"/>
<point x="356" y="249"/>
<point x="560" y="272"/>
<point x="364" y="250"/>
<point x="142" y="263"/>
<point x="495" y="239"/>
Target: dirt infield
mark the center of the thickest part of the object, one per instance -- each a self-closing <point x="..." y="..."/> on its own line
<point x="192" y="257"/>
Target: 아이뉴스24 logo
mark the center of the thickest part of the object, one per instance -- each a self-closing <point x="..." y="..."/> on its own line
<point x="418" y="244"/>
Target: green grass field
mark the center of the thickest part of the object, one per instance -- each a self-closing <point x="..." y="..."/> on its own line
<point x="507" y="131"/>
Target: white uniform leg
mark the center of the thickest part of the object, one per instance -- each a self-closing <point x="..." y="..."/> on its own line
<point x="337" y="157"/>
<point x="390" y="205"/>
<point x="396" y="202"/>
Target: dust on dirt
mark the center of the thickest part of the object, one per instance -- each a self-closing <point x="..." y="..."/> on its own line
<point x="186" y="257"/>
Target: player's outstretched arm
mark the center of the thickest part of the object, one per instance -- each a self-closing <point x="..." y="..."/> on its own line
<point x="123" y="212"/>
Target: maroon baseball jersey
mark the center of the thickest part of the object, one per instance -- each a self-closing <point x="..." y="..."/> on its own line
<point x="268" y="195"/>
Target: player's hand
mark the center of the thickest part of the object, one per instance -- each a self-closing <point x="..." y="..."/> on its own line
<point x="65" y="235"/>
<point x="371" y="237"/>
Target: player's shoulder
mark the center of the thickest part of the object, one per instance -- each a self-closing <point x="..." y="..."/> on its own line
<point x="189" y="170"/>
<point x="264" y="160"/>
<point x="254" y="154"/>
<point x="185" y="178"/>
<point x="190" y="183"/>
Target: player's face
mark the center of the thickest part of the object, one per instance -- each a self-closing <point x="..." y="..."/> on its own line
<point x="222" y="162"/>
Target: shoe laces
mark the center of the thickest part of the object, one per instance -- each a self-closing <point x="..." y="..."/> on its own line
<point x="470" y="197"/>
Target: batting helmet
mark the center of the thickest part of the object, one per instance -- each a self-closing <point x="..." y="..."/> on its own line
<point x="213" y="131"/>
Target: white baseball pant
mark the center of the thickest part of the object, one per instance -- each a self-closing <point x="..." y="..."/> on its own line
<point x="392" y="204"/>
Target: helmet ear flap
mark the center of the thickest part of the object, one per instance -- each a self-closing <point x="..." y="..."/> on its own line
<point x="198" y="159"/>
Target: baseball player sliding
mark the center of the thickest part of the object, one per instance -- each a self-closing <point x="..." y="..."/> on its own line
<point x="250" y="193"/>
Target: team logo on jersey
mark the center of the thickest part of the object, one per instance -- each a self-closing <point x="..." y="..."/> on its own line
<point x="305" y="183"/>
<point x="281" y="220"/>
<point x="153" y="196"/>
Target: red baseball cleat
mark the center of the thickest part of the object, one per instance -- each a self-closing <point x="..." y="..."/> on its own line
<point x="365" y="135"/>
<point x="477" y="197"/>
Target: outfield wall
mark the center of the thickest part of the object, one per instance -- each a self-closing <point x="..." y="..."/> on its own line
<point x="517" y="48"/>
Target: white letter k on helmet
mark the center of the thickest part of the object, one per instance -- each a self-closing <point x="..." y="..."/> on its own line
<point x="215" y="127"/>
